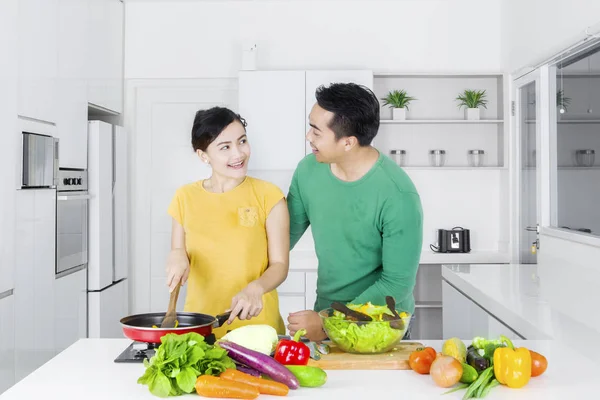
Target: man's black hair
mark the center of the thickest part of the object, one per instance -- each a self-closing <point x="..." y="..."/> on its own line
<point x="355" y="108"/>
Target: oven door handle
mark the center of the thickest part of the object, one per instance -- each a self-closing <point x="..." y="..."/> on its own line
<point x="74" y="197"/>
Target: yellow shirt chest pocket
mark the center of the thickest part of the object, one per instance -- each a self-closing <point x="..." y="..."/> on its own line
<point x="248" y="216"/>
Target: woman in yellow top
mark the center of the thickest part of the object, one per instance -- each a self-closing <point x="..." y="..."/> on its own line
<point x="230" y="232"/>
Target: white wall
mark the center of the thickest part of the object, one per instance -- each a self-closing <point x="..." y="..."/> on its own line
<point x="166" y="39"/>
<point x="534" y="30"/>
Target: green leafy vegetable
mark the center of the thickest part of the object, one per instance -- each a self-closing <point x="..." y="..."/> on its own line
<point x="179" y="360"/>
<point x="365" y="338"/>
<point x="480" y="342"/>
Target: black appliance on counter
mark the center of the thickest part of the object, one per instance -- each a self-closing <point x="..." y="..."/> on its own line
<point x="455" y="240"/>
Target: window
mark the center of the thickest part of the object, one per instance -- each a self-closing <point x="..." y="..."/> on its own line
<point x="575" y="131"/>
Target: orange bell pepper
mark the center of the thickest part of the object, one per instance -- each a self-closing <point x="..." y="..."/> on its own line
<point x="512" y="367"/>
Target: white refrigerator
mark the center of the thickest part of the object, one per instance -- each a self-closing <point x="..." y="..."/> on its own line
<point x="108" y="238"/>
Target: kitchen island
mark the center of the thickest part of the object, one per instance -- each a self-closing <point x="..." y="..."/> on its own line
<point x="86" y="370"/>
<point x="513" y="296"/>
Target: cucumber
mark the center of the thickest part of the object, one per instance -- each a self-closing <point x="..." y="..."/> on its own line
<point x="469" y="374"/>
<point x="308" y="376"/>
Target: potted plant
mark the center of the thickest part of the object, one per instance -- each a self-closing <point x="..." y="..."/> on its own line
<point x="398" y="101"/>
<point x="472" y="100"/>
<point x="562" y="102"/>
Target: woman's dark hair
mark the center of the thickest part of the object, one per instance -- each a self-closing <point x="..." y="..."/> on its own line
<point x="208" y="124"/>
<point x="355" y="110"/>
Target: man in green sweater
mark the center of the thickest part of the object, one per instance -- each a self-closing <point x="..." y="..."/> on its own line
<point x="364" y="211"/>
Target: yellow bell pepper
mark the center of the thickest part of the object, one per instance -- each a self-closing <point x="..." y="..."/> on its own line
<point x="512" y="367"/>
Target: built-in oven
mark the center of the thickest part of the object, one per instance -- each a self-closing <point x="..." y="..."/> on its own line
<point x="71" y="221"/>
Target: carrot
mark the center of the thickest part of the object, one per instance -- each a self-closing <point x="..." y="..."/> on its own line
<point x="264" y="386"/>
<point x="213" y="386"/>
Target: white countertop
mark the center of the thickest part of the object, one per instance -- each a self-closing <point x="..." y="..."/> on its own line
<point x="306" y="259"/>
<point x="512" y="294"/>
<point x="86" y="371"/>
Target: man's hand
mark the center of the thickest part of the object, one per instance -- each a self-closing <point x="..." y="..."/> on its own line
<point x="247" y="303"/>
<point x="308" y="320"/>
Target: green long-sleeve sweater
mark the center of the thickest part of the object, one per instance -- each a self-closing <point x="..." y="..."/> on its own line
<point x="368" y="233"/>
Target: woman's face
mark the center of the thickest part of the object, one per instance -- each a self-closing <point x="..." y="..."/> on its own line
<point x="229" y="153"/>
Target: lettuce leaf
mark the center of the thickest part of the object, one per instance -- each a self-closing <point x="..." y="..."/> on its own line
<point x="178" y="362"/>
<point x="366" y="338"/>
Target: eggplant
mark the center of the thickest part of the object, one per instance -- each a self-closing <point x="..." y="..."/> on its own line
<point x="475" y="360"/>
<point x="247" y="370"/>
<point x="260" y="362"/>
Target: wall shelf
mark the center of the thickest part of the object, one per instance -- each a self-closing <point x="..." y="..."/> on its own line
<point x="572" y="121"/>
<point x="453" y="168"/>
<point x="428" y="304"/>
<point x="441" y="121"/>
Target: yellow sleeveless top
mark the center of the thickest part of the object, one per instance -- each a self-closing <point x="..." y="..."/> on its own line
<point x="226" y="242"/>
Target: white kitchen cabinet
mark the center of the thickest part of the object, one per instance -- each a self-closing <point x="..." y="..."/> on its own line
<point x="276" y="105"/>
<point x="103" y="306"/>
<point x="427" y="324"/>
<point x="72" y="101"/>
<point x="272" y="102"/>
<point x="70" y="309"/>
<point x="289" y="304"/>
<point x="38" y="59"/>
<point x="9" y="152"/>
<point x="465" y="319"/>
<point x="316" y="78"/>
<point x="311" y="290"/>
<point x="34" y="279"/>
<point x="105" y="54"/>
<point x="7" y="340"/>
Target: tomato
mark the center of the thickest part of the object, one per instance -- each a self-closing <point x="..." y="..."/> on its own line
<point x="446" y="371"/>
<point x="538" y="363"/>
<point x="420" y="360"/>
<point x="431" y="351"/>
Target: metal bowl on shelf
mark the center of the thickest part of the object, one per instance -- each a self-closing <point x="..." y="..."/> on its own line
<point x="585" y="157"/>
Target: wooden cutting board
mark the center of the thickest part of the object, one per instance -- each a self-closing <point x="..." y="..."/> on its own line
<point x="394" y="359"/>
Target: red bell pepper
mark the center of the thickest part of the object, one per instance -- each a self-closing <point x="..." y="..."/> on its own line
<point x="292" y="352"/>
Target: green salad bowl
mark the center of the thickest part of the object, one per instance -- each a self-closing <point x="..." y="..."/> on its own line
<point x="364" y="337"/>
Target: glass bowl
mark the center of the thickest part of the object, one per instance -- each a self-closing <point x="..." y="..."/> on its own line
<point x="360" y="337"/>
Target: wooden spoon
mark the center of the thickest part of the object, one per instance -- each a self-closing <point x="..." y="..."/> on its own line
<point x="171" y="315"/>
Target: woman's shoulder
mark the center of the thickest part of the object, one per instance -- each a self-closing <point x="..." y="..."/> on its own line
<point x="262" y="186"/>
<point x="189" y="189"/>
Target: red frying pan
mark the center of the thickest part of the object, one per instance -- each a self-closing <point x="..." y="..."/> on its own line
<point x="139" y="327"/>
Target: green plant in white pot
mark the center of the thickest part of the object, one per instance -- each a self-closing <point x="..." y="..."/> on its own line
<point x="472" y="100"/>
<point x="398" y="100"/>
<point x="562" y="102"/>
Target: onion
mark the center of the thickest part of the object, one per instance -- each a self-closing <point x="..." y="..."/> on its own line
<point x="446" y="371"/>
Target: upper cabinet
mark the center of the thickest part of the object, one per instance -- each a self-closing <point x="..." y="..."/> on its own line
<point x="9" y="11"/>
<point x="105" y="54"/>
<point x="276" y="105"/>
<point x="272" y="102"/>
<point x="72" y="100"/>
<point x="316" y="78"/>
<point x="70" y="54"/>
<point x="38" y="59"/>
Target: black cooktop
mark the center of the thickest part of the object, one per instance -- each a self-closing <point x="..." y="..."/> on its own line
<point x="136" y="352"/>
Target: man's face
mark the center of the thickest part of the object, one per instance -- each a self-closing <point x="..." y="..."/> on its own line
<point x="324" y="144"/>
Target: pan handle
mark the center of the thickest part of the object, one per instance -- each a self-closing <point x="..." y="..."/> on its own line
<point x="222" y="318"/>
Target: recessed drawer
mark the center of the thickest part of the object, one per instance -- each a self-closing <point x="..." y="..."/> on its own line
<point x="294" y="283"/>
